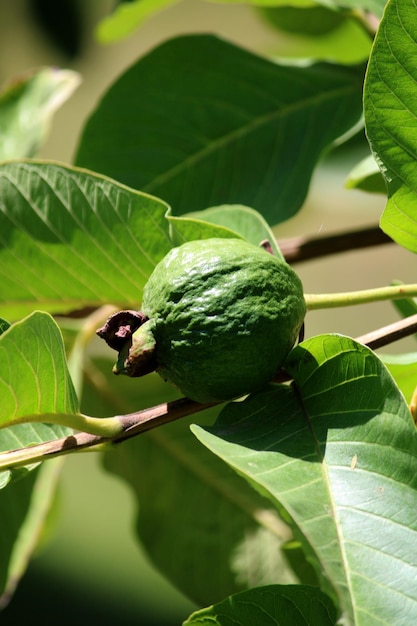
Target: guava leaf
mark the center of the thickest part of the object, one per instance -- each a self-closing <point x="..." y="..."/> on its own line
<point x="374" y="6"/>
<point x="243" y="220"/>
<point x="390" y="108"/>
<point x="27" y="105"/>
<point x="310" y="20"/>
<point x="338" y="450"/>
<point x="366" y="176"/>
<point x="71" y="239"/>
<point x="127" y="17"/>
<point x="403" y="368"/>
<point x="240" y="129"/>
<point x="24" y="508"/>
<point x="202" y="526"/>
<point x="34" y="378"/>
<point x="34" y="382"/>
<point x="269" y="606"/>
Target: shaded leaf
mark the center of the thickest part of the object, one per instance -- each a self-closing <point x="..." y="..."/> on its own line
<point x="338" y="450"/>
<point x="269" y="606"/>
<point x="366" y="176"/>
<point x="3" y="325"/>
<point x="203" y="527"/>
<point x="254" y="138"/>
<point x="24" y="508"/>
<point x="390" y="107"/>
<point x="27" y="105"/>
<point x="312" y="19"/>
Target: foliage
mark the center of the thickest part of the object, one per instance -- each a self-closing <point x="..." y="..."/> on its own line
<point x="297" y="503"/>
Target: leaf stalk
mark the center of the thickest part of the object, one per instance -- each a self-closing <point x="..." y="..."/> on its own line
<point x="351" y="298"/>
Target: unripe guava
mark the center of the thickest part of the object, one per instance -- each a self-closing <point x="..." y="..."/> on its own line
<point x="221" y="317"/>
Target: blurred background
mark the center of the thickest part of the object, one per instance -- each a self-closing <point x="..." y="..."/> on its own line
<point x="92" y="570"/>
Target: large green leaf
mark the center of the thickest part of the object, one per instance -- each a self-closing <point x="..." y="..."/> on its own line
<point x="390" y="106"/>
<point x="71" y="238"/>
<point x="27" y="105"/>
<point x="201" y="122"/>
<point x="337" y="449"/>
<point x="269" y="606"/>
<point x="203" y="527"/>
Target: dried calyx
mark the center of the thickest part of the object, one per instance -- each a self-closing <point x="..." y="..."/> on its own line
<point x="128" y="333"/>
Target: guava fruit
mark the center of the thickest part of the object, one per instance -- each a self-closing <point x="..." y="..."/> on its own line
<point x="218" y="318"/>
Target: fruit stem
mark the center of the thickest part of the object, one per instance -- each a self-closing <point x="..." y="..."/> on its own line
<point x="350" y="298"/>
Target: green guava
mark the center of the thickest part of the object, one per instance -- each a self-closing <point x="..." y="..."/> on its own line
<point x="218" y="319"/>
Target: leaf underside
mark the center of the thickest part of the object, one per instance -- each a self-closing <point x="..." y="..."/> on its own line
<point x="338" y="450"/>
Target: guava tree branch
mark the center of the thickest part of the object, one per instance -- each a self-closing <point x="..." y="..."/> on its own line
<point x="136" y="423"/>
<point x="298" y="249"/>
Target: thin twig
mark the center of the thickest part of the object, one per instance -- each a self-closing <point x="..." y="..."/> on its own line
<point x="388" y="334"/>
<point x="298" y="249"/>
<point x="141" y="421"/>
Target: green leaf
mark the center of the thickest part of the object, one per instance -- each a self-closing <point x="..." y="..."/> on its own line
<point x="367" y="176"/>
<point x="24" y="508"/>
<point x="311" y="20"/>
<point x="390" y="108"/>
<point x="71" y="239"/>
<point x="403" y="368"/>
<point x="127" y="17"/>
<point x="374" y="6"/>
<point x="240" y="129"/>
<point x="34" y="384"/>
<point x="34" y="378"/>
<point x="27" y="105"/>
<point x="338" y="450"/>
<point x="202" y="526"/>
<point x="269" y="606"/>
<point x="243" y="221"/>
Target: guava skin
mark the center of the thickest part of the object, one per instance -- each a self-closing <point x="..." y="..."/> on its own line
<point x="223" y="314"/>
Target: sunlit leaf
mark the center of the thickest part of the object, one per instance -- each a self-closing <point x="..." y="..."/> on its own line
<point x="34" y="378"/>
<point x="127" y="17"/>
<point x="71" y="239"/>
<point x="390" y="106"/>
<point x="338" y="450"/>
<point x="243" y="220"/>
